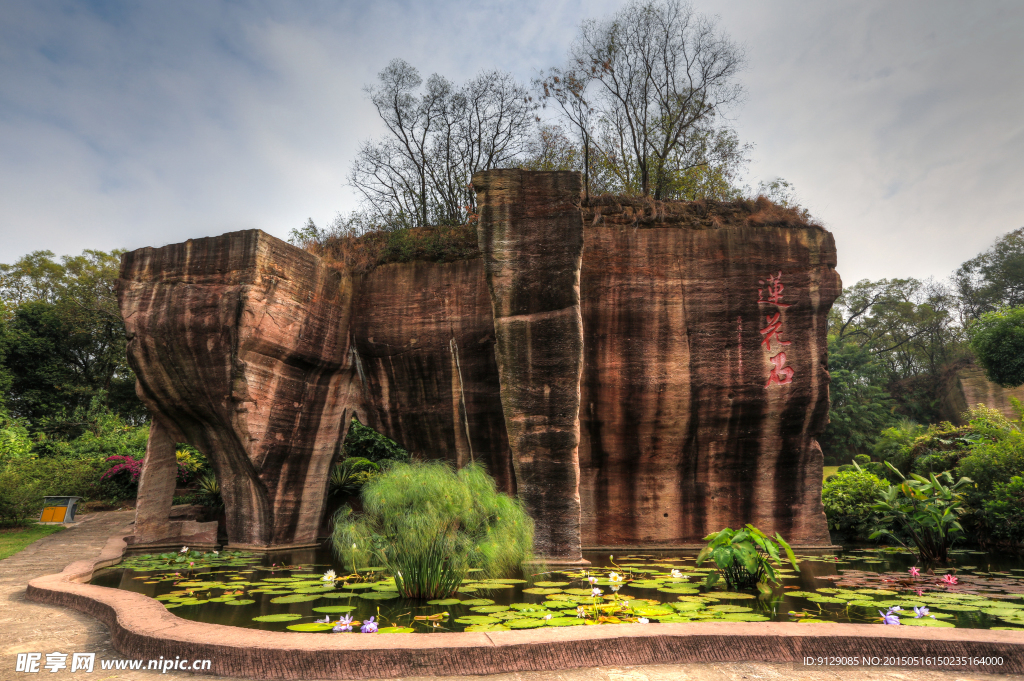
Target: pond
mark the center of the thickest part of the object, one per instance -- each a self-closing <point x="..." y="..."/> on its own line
<point x="286" y="591"/>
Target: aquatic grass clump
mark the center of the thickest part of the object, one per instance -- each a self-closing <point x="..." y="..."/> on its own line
<point x="428" y="525"/>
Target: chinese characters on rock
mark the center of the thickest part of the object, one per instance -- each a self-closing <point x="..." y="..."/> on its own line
<point x="770" y="293"/>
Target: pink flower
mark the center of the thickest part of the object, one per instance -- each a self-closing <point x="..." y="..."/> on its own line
<point x="949" y="579"/>
<point x="914" y="572"/>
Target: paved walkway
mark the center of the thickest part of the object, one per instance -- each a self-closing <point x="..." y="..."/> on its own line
<point x="27" y="627"/>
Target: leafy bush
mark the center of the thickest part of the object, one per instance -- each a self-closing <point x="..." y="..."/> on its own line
<point x="428" y="525"/>
<point x="349" y="476"/>
<point x="745" y="557"/>
<point x="926" y="509"/>
<point x="15" y="441"/>
<point x="848" y="497"/>
<point x="365" y="442"/>
<point x="1003" y="511"/>
<point x="208" y="493"/>
<point x="997" y="339"/>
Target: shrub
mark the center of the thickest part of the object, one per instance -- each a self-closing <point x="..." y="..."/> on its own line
<point x="365" y="442"/>
<point x="847" y="498"/>
<point x="349" y="476"/>
<point x="745" y="557"/>
<point x="1003" y="511"/>
<point x="926" y="509"/>
<point x="428" y="525"/>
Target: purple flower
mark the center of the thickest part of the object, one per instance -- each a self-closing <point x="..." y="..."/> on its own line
<point x="595" y="592"/>
<point x="369" y="627"/>
<point x="922" y="612"/>
<point x="344" y="624"/>
<point x="889" y="618"/>
<point x="325" y="620"/>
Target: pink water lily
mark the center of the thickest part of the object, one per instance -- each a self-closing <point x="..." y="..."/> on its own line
<point x="914" y="572"/>
<point x="949" y="579"/>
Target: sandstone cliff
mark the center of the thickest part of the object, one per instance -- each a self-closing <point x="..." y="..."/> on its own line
<point x="693" y="403"/>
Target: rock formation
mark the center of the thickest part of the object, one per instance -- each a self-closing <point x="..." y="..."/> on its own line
<point x="677" y="370"/>
<point x="531" y="238"/>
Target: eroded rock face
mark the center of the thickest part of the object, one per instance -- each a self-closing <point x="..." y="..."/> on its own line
<point x="686" y="429"/>
<point x="531" y="238"/>
<point x="642" y="385"/>
<point x="240" y="346"/>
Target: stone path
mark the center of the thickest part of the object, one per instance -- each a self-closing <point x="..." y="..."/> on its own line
<point x="31" y="627"/>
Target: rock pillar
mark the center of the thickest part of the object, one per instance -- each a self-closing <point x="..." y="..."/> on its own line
<point x="531" y="237"/>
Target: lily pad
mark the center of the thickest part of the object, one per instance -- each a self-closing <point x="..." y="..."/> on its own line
<point x="477" y="619"/>
<point x="744" y="617"/>
<point x="281" y="617"/>
<point x="926" y="622"/>
<point x="564" y="621"/>
<point x="478" y="601"/>
<point x="444" y="601"/>
<point x="395" y="630"/>
<point x="310" y="626"/>
<point x="489" y="608"/>
<point x="240" y="601"/>
<point x="531" y="623"/>
<point x="487" y="627"/>
<point x="550" y="584"/>
<point x="335" y="608"/>
<point x="379" y="595"/>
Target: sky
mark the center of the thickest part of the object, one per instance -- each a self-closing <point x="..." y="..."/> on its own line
<point x="143" y="123"/>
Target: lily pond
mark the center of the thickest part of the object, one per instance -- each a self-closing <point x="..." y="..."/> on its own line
<point x="294" y="591"/>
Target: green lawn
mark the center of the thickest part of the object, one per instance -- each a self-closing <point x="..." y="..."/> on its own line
<point x="14" y="539"/>
<point x="829" y="470"/>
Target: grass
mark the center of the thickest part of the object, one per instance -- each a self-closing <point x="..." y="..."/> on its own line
<point x="14" y="539"/>
<point x="829" y="470"/>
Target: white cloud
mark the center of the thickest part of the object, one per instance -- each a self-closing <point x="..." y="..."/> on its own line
<point x="124" y="125"/>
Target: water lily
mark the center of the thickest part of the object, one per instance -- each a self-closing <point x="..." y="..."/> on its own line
<point x="592" y="579"/>
<point x="325" y="620"/>
<point x="595" y="592"/>
<point x="895" y="608"/>
<point x="642" y="620"/>
<point x="949" y="579"/>
<point x="184" y="549"/>
<point x="216" y="553"/>
<point x="547" y="617"/>
<point x="888" y="617"/>
<point x="615" y="588"/>
<point x="343" y="624"/>
<point x="614" y="577"/>
<point x="580" y="612"/>
<point x="676" y="574"/>
<point x="329" y="576"/>
<point x="922" y="612"/>
<point x="369" y="627"/>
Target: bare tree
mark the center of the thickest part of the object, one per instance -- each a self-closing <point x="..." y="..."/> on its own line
<point x="419" y="174"/>
<point x="662" y="76"/>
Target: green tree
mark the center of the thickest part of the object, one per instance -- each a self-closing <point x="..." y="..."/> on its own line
<point x="997" y="339"/>
<point x="860" y="407"/>
<point x="62" y="340"/>
<point x="995" y="278"/>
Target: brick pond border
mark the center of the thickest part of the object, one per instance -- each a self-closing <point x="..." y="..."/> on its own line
<point x="141" y="628"/>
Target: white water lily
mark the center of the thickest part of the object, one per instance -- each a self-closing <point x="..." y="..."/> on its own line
<point x="642" y="620"/>
<point x="184" y="549"/>
<point x="592" y="579"/>
<point x="329" y="576"/>
<point x="676" y="574"/>
<point x="614" y="577"/>
<point x="596" y="592"/>
<point x="216" y="553"/>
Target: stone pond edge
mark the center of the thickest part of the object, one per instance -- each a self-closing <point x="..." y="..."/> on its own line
<point x="141" y="628"/>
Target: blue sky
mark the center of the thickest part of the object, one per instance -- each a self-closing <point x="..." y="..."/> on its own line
<point x="129" y="124"/>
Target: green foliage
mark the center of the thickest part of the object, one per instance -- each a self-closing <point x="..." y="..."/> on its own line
<point x="349" y="476"/>
<point x="927" y="510"/>
<point x="745" y="556"/>
<point x="894" y="445"/>
<point x="848" y="497"/>
<point x="15" y="441"/>
<point x="366" y="443"/>
<point x="428" y="525"/>
<point x="62" y="340"/>
<point x="208" y="492"/>
<point x="997" y="339"/>
<point x="993" y="279"/>
<point x="1003" y="511"/>
<point x="191" y="462"/>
